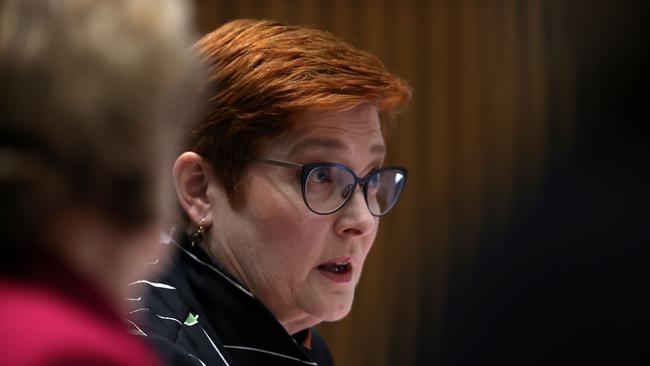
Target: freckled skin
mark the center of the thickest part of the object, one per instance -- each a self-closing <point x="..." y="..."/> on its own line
<point x="274" y="244"/>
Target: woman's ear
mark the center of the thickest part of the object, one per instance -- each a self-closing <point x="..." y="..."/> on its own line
<point x="192" y="177"/>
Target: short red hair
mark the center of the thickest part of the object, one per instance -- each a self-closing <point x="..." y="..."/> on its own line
<point x="260" y="72"/>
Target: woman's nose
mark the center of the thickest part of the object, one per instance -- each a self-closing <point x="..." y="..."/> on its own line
<point x="354" y="218"/>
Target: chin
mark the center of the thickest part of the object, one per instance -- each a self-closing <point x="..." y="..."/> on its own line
<point x="338" y="313"/>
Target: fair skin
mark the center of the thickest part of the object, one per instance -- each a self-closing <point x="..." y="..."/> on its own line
<point x="274" y="244"/>
<point x="103" y="253"/>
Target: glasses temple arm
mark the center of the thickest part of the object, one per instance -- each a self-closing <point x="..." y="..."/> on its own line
<point x="280" y="163"/>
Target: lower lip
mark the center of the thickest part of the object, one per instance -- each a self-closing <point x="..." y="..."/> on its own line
<point x="337" y="277"/>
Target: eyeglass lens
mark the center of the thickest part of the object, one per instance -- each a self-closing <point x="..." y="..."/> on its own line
<point x="327" y="188"/>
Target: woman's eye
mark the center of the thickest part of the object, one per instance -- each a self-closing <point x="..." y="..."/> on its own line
<point x="321" y="175"/>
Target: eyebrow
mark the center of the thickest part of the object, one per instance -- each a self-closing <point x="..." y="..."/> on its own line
<point x="331" y="143"/>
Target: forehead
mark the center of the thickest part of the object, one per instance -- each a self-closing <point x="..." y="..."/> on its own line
<point x="357" y="129"/>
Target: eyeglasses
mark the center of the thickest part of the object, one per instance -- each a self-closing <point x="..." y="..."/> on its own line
<point x="327" y="187"/>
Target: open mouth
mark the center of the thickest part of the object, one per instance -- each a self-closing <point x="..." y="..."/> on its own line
<point x="336" y="267"/>
<point x="338" y="271"/>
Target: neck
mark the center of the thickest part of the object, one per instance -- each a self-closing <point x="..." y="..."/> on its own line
<point x="104" y="256"/>
<point x="296" y="324"/>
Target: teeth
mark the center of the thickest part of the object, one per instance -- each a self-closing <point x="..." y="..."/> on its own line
<point x="336" y="267"/>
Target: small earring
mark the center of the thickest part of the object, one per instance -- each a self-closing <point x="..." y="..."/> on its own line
<point x="197" y="235"/>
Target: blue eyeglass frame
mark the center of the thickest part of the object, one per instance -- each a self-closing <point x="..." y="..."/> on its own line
<point x="307" y="169"/>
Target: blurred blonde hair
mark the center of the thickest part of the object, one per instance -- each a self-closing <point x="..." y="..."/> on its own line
<point x="90" y="91"/>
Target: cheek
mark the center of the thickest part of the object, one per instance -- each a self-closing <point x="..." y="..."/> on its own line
<point x="288" y="234"/>
<point x="286" y="253"/>
<point x="278" y="211"/>
<point x="371" y="237"/>
<point x="367" y="244"/>
<point x="291" y="241"/>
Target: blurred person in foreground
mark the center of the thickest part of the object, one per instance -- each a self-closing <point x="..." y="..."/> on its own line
<point x="281" y="187"/>
<point x="88" y="94"/>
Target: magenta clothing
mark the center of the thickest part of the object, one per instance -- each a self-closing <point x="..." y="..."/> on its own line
<point x="42" y="323"/>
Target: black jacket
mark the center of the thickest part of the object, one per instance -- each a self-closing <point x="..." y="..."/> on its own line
<point x="197" y="314"/>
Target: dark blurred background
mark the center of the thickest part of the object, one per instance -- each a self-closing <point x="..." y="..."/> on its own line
<point x="519" y="239"/>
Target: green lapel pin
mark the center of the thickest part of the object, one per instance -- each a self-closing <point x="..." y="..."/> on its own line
<point x="191" y="319"/>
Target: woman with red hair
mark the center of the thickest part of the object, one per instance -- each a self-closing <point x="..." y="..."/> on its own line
<point x="281" y="187"/>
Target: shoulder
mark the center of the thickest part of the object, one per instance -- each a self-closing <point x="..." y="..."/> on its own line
<point x="163" y="305"/>
<point x="40" y="327"/>
<point x="166" y="324"/>
<point x="158" y="310"/>
<point x="163" y="315"/>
